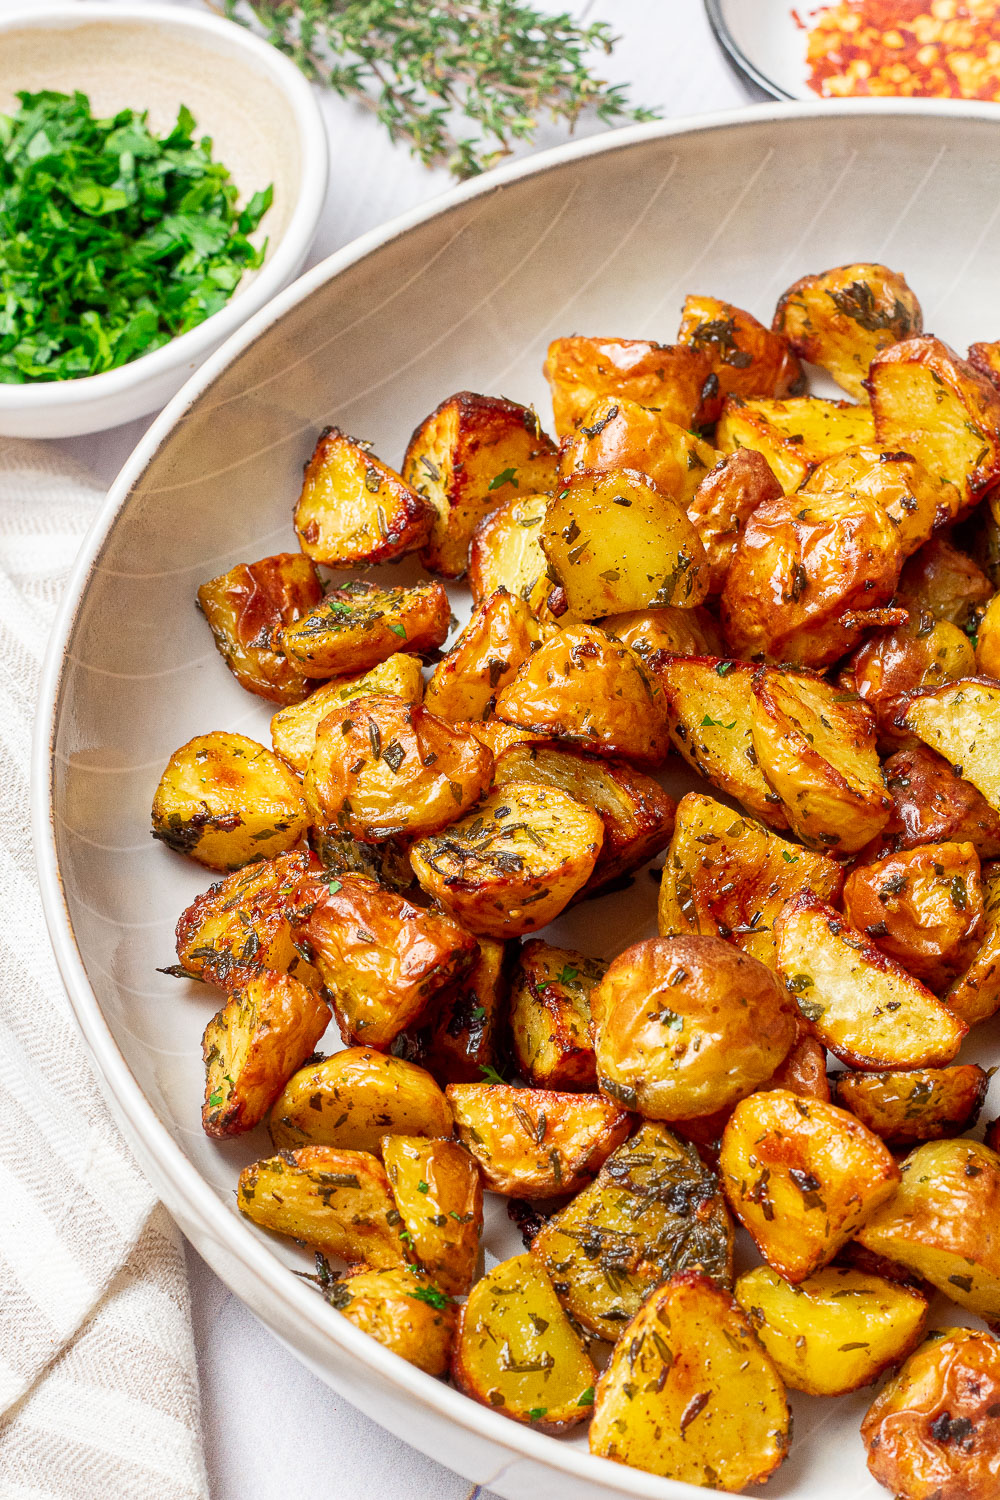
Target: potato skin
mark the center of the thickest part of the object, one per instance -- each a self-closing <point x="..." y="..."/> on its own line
<point x="932" y="805"/>
<point x="723" y="503"/>
<point x="793" y="435"/>
<point x="945" y="582"/>
<point x="616" y="433"/>
<point x="337" y="1202"/>
<point x="460" y="1035"/>
<point x="920" y="654"/>
<point x="354" y="511"/>
<point x="656" y="635"/>
<point x="842" y="318"/>
<point x="975" y="996"/>
<point x="506" y="553"/>
<point x="927" y="1104"/>
<point x="747" y="358"/>
<point x="933" y="1433"/>
<point x="924" y="907"/>
<point x="350" y="1100"/>
<point x="359" y="625"/>
<point x="684" y="1026"/>
<point x="550" y="1016"/>
<point x="293" y="729"/>
<point x="961" y="721"/>
<point x="247" y="607"/>
<point x="917" y="502"/>
<point x="501" y="634"/>
<point x="403" y="1310"/>
<point x="679" y="381"/>
<point x="438" y="1191"/>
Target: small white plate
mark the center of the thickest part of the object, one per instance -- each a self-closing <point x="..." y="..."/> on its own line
<point x="766" y="42"/>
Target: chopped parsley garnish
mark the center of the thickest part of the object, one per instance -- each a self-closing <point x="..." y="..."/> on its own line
<point x="431" y="1296"/>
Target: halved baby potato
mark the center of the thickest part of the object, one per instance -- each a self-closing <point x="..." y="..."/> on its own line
<point x="240" y="925"/>
<point x="293" y="729"/>
<point x="550" y="1016"/>
<point x="401" y="1308"/>
<point x="916" y="501"/>
<point x="501" y="634"/>
<point x="616" y="433"/>
<point x="793" y="435"/>
<point x="961" y="721"/>
<point x="842" y="318"/>
<point x="337" y="1202"/>
<point x="676" y="380"/>
<point x="352" y="1099"/>
<point x="913" y="657"/>
<point x="945" y="582"/>
<point x="361" y="624"/>
<point x="438" y="1192"/>
<point x="747" y="358"/>
<point x="655" y="635"/>
<point x="354" y="510"/>
<point x="506" y="554"/>
<point x="927" y="1104"/>
<point x="723" y="503"/>
<point x="247" y="608"/>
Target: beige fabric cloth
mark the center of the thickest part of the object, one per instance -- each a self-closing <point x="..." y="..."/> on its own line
<point x="98" y="1384"/>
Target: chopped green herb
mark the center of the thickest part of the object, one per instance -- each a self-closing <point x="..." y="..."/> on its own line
<point x="586" y="1398"/>
<point x="423" y="1187"/>
<point x="431" y="1296"/>
<point x="569" y="975"/>
<point x="506" y="476"/>
<point x="537" y="1413"/>
<point x="490" y="1075"/>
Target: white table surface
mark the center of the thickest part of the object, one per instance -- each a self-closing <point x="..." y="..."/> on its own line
<point x="318" y="1445"/>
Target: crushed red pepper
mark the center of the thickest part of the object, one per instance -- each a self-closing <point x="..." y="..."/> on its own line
<point x="928" y="48"/>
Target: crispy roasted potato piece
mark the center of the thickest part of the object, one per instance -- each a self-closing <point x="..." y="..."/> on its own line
<point x="747" y="358"/>
<point x="470" y="455"/>
<point x="928" y="1104"/>
<point x="353" y="1098"/>
<point x="987" y="643"/>
<point x="506" y="554"/>
<point x="402" y="1309"/>
<point x="381" y="958"/>
<point x="809" y="575"/>
<point x="550" y="1016"/>
<point x="834" y="1332"/>
<point x="934" y="1430"/>
<point x="293" y="729"/>
<point x="535" y="1143"/>
<point x="337" y="1202"/>
<point x="340" y="853"/>
<point x="928" y="401"/>
<point x="240" y="926"/>
<point x="513" y="864"/>
<point x="654" y="1210"/>
<point x="684" y="1026"/>
<point x="944" y="582"/>
<point x="382" y="768"/>
<point x="723" y="503"/>
<point x="815" y="745"/>
<point x="354" y="510"/>
<point x="584" y="687"/>
<point x="961" y="721"/>
<point x="501" y="634"/>
<point x="976" y="995"/>
<point x="914" y="500"/>
<point x="793" y="435"/>
<point x="655" y="635"/>
<point x="498" y="736"/>
<point x="518" y="1353"/>
<point x="248" y="607"/>
<point x="265" y="1030"/>
<point x="802" y="1176"/>
<point x="729" y="876"/>
<point x="691" y="1394"/>
<point x="985" y="358"/>
<point x="616" y="542"/>
<point x="227" y="802"/>
<point x="864" y="1006"/>
<point x="616" y="433"/>
<point x="637" y="813"/>
<point x="676" y="380"/>
<point x="920" y="654"/>
<point x="438" y="1192"/>
<point x="842" y="318"/>
<point x="361" y="624"/>
<point x="943" y="1222"/>
<point x="931" y="805"/>
<point x="460" y="1037"/>
<point x="924" y="907"/>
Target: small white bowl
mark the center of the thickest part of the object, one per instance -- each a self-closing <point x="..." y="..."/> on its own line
<point x="266" y="126"/>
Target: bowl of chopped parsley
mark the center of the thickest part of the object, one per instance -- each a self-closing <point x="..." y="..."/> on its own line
<point x="162" y="173"/>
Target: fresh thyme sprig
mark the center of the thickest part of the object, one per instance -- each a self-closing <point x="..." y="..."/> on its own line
<point x="423" y="64"/>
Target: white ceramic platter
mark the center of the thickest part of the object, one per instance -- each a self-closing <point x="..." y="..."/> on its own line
<point x="604" y="237"/>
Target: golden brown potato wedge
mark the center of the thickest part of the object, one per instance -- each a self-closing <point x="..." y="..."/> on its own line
<point x="401" y="1308"/>
<point x="975" y="996"/>
<point x="227" y="802"/>
<point x="793" y="435"/>
<point x="584" y="687"/>
<point x="438" y="1192"/>
<point x="266" y="1029"/>
<point x="676" y="380"/>
<point x="802" y="1177"/>
<point x="506" y="554"/>
<point x="691" y="1394"/>
<point x="961" y="721"/>
<point x="654" y="1210"/>
<point x="535" y="1143"/>
<point x="920" y="654"/>
<point x="248" y="607"/>
<point x="916" y="501"/>
<point x="550" y="1016"/>
<point x="470" y="455"/>
<point x="518" y="1353"/>
<point x="501" y="634"/>
<point x="460" y="1038"/>
<point x="945" y="582"/>
<point x="928" y="1104"/>
<point x="361" y="624"/>
<point x="834" y="1332"/>
<point x="616" y="542"/>
<point x="932" y="805"/>
<point x="293" y="729"/>
<point x="864" y="1006"/>
<point x="616" y="433"/>
<point x="747" y="358"/>
<point x="943" y="1222"/>
<point x="723" y="503"/>
<point x="655" y="635"/>
<point x="352" y="1099"/>
<point x="842" y="318"/>
<point x="337" y="1202"/>
<point x="354" y="510"/>
<point x="987" y="643"/>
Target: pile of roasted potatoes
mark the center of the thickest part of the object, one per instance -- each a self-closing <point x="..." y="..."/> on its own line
<point x="795" y="596"/>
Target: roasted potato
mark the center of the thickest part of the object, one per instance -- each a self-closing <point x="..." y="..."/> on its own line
<point x="438" y="1192"/>
<point x="945" y="582"/>
<point x="513" y="864"/>
<point x="337" y="1202"/>
<point x="460" y="1038"/>
<point x="976" y="995"/>
<point x="361" y="624"/>
<point x="802" y="1176"/>
<point x="655" y="635"/>
<point x="498" y="736"/>
<point x="227" y="802"/>
<point x="723" y="503"/>
<point x="402" y="1309"/>
<point x="985" y="357"/>
<point x="550" y="1016"/>
<point x="917" y="502"/>
<point x="586" y="688"/>
<point x="684" y="1026"/>
<point x="352" y="1099"/>
<point x="943" y="1222"/>
<point x="293" y="729"/>
<point x="518" y="1353"/>
<point x="535" y="1143"/>
<point x="834" y="1332"/>
<point x="654" y="1210"/>
<point x="616" y="433"/>
<point x="354" y="510"/>
<point x="961" y="721"/>
<point x="815" y="745"/>
<point x="924" y="907"/>
<point x="842" y="318"/>
<point x="506" y="554"/>
<point x="793" y="435"/>
<point x="340" y="853"/>
<point x="932" y="805"/>
<point x="247" y="608"/>
<point x="864" y="1006"/>
<point x="927" y="1104"/>
<point x="678" y="381"/>
<point x="691" y="1394"/>
<point x="501" y="634"/>
<point x="747" y="358"/>
<point x="934" y="1430"/>
<point x="616" y="542"/>
<point x="987" y="650"/>
<point x="920" y="654"/>
<point x="383" y="768"/>
<point x="265" y="1030"/>
<point x="470" y="455"/>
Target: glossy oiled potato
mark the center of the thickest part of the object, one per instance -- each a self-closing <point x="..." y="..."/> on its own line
<point x="842" y="318"/>
<point x="691" y="1394"/>
<point x="500" y="635"/>
<point x="506" y="554"/>
<point x="723" y="503"/>
<point x="793" y="435"/>
<point x="687" y="1025"/>
<point x="354" y="510"/>
<point x="401" y="1308"/>
<point x="240" y="925"/>
<point x="945" y="582"/>
<point x="920" y="654"/>
<point x="987" y="642"/>
<point x="961" y="721"/>
<point x="675" y="379"/>
<point x="915" y="500"/>
<point x="248" y="607"/>
<point x="923" y="1105"/>
<point x="460" y="1036"/>
<point x="438" y="1192"/>
<point x="337" y="1202"/>
<point x="293" y="729"/>
<point x="932" y="805"/>
<point x="656" y="635"/>
<point x="616" y="433"/>
<point x="550" y="1016"/>
<point x="747" y="358"/>
<point x="353" y="1098"/>
<point x="361" y="624"/>
<point x="976" y="995"/>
